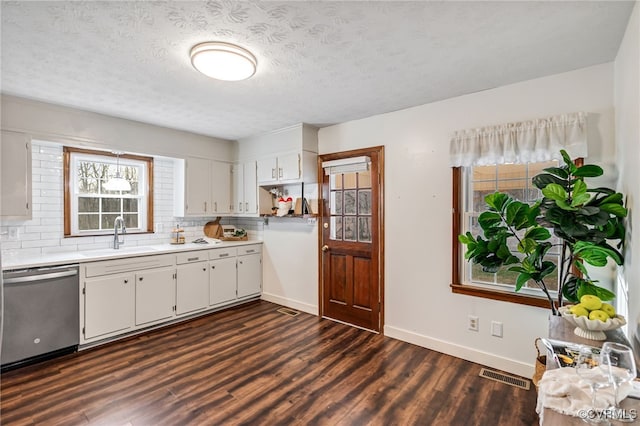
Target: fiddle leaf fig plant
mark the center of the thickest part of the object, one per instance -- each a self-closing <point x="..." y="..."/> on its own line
<point x="588" y="224"/>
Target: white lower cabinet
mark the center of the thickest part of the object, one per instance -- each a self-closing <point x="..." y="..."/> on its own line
<point x="108" y="305"/>
<point x="249" y="271"/>
<point x="192" y="282"/>
<point x="155" y="295"/>
<point x="222" y="276"/>
<point x="124" y="295"/>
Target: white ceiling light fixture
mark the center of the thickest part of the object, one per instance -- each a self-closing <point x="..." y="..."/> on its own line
<point x="223" y="61"/>
<point x="117" y="183"/>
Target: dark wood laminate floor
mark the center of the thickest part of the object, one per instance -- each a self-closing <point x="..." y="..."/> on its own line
<point x="252" y="365"/>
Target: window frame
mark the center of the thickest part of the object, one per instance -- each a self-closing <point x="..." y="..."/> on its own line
<point x="457" y="254"/>
<point x="67" y="170"/>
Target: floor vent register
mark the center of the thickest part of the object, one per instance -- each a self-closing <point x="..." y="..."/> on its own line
<point x="498" y="376"/>
<point x="287" y="311"/>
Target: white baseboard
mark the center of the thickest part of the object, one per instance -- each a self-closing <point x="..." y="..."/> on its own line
<point x="469" y="354"/>
<point x="290" y="303"/>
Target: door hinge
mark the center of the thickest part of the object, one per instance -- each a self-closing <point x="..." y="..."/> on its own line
<point x="175" y="308"/>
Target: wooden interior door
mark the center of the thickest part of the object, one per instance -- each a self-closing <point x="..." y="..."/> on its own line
<point x="351" y="241"/>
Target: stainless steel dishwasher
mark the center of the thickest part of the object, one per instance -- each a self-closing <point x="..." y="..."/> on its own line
<point x="41" y="314"/>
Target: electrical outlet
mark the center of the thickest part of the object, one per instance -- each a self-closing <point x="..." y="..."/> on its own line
<point x="473" y="323"/>
<point x="496" y="328"/>
<point x="311" y="221"/>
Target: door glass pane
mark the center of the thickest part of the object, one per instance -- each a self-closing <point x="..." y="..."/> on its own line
<point x="350" y="229"/>
<point x="336" y="228"/>
<point x="350" y="180"/>
<point x="364" y="201"/>
<point x="364" y="179"/>
<point x="350" y="202"/>
<point x="336" y="202"/>
<point x="364" y="229"/>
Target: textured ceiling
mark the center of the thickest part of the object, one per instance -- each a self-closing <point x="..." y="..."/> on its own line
<point x="318" y="62"/>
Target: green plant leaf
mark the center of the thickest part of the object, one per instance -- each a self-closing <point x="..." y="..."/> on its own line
<point x="527" y="245"/>
<point x="489" y="219"/>
<point x="588" y="170"/>
<point x="538" y="234"/>
<point x="543" y="179"/>
<point x="596" y="255"/>
<point x="613" y="198"/>
<point x="615" y="209"/>
<point x="567" y="160"/>
<point x="565" y="206"/>
<point x="466" y="238"/>
<point x="585" y="287"/>
<point x="522" y="280"/>
<point x="561" y="172"/>
<point x="512" y="211"/>
<point x="554" y="192"/>
<point x="570" y="290"/>
<point x="496" y="200"/>
<point x="580" y="266"/>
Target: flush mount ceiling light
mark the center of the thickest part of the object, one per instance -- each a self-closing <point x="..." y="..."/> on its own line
<point x="223" y="61"/>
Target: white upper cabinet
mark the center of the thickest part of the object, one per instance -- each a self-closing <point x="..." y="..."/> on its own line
<point x="203" y="187"/>
<point x="245" y="188"/>
<point x="220" y="187"/>
<point x="15" y="156"/>
<point x="284" y="156"/>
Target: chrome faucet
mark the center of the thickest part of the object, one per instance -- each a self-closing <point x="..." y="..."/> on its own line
<point x="116" y="242"/>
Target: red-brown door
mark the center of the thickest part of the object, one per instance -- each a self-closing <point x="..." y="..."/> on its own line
<point x="351" y="246"/>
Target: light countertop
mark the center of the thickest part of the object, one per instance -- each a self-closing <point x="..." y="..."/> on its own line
<point x="65" y="258"/>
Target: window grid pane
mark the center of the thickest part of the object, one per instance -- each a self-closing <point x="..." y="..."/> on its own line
<point x="515" y="180"/>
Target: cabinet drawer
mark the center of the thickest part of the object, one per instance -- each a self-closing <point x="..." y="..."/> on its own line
<point x="244" y="250"/>
<point x="106" y="267"/>
<point x="222" y="253"/>
<point x="192" y="256"/>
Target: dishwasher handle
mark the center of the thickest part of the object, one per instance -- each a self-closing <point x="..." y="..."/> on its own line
<point x="33" y="278"/>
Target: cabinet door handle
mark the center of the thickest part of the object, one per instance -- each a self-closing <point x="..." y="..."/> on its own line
<point x="273" y="173"/>
<point x="215" y="206"/>
<point x="204" y="269"/>
<point x="223" y="255"/>
<point x="280" y="172"/>
<point x="240" y="206"/>
<point x="126" y="281"/>
<point x="140" y="279"/>
<point x="250" y="251"/>
<point x="213" y="267"/>
<point x="191" y="259"/>
<point x="246" y="205"/>
<point x="205" y="206"/>
<point x="240" y="262"/>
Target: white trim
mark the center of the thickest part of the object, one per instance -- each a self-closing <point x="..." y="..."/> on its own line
<point x="290" y="303"/>
<point x="459" y="351"/>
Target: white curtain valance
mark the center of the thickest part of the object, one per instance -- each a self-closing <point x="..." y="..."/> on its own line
<point x="527" y="141"/>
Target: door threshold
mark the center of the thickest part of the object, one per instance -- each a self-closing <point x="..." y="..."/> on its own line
<point x="351" y="325"/>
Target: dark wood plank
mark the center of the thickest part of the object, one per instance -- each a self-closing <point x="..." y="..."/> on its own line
<point x="251" y="365"/>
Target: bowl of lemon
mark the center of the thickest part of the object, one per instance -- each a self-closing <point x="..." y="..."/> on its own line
<point x="592" y="317"/>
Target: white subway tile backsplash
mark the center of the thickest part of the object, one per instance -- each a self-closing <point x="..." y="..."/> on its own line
<point x="44" y="233"/>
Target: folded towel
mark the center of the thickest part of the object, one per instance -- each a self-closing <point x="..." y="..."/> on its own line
<point x="564" y="391"/>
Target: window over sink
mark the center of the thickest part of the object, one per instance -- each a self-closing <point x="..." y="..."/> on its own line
<point x="90" y="208"/>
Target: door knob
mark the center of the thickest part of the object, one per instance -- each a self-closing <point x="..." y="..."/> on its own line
<point x="325" y="247"/>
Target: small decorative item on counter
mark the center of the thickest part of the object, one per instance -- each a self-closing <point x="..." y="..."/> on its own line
<point x="238" y="234"/>
<point x="177" y="235"/>
<point x="284" y="205"/>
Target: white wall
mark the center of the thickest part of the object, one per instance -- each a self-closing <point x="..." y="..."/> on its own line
<point x="82" y="128"/>
<point x="419" y="305"/>
<point x="627" y="103"/>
